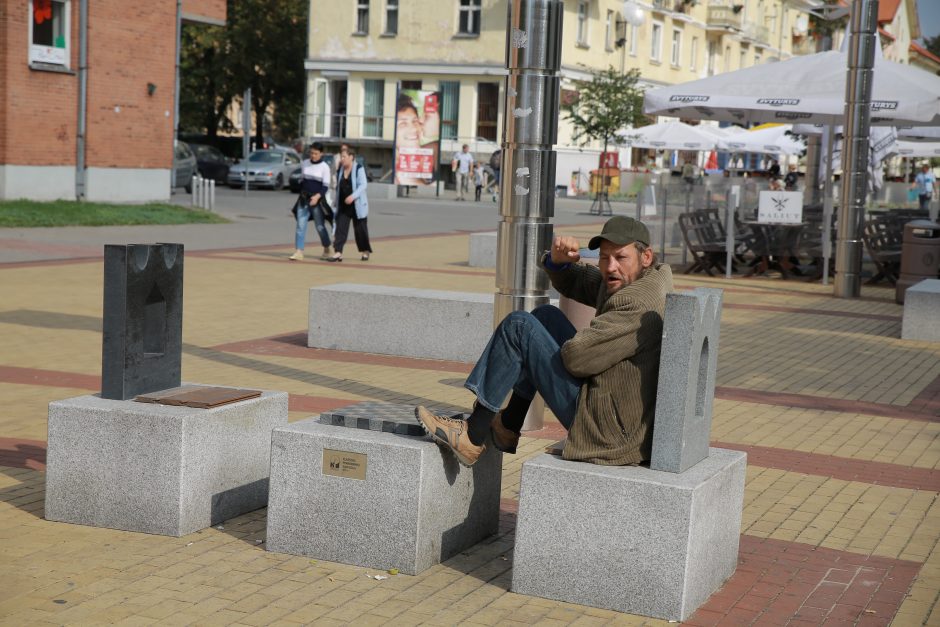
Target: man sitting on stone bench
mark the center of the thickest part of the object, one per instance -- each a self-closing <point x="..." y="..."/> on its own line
<point x="600" y="382"/>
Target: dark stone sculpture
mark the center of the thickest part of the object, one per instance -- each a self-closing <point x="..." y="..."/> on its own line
<point x="143" y="319"/>
<point x="375" y="416"/>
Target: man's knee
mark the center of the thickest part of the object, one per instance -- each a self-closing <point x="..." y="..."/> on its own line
<point x="544" y="313"/>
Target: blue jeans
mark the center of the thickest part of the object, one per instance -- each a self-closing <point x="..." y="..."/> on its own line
<point x="303" y="216"/>
<point x="524" y="355"/>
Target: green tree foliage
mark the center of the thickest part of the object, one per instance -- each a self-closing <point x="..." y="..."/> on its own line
<point x="262" y="46"/>
<point x="607" y="103"/>
<point x="933" y="44"/>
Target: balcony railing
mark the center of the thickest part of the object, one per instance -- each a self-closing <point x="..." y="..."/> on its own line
<point x="723" y="17"/>
<point x="756" y="32"/>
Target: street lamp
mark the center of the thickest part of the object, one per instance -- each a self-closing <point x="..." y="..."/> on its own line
<point x="634" y="15"/>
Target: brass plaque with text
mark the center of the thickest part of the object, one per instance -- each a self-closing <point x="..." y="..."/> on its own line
<point x="345" y="464"/>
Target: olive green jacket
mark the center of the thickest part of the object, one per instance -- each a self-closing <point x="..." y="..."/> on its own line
<point x="618" y="358"/>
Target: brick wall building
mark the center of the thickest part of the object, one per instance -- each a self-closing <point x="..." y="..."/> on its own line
<point x="129" y="105"/>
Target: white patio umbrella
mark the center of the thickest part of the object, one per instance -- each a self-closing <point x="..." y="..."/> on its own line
<point x="668" y="136"/>
<point x="808" y="89"/>
<point x="917" y="149"/>
<point x="772" y="140"/>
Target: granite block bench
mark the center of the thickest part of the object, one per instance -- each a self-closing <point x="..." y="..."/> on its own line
<point x="160" y="469"/>
<point x="658" y="540"/>
<point x="921" y="320"/>
<point x="407" y="322"/>
<point x="482" y="250"/>
<point x="363" y="485"/>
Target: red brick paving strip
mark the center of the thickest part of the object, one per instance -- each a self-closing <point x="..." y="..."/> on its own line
<point x="52" y="378"/>
<point x="780" y="583"/>
<point x="813" y="312"/>
<point x="822" y="403"/>
<point x="18" y="453"/>
<point x="928" y="401"/>
<point x="295" y="345"/>
<point x="844" y="468"/>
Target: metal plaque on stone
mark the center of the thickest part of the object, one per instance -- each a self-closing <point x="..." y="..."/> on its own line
<point x="143" y="319"/>
<point x="198" y="396"/>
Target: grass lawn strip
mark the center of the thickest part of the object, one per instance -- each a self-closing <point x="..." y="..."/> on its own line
<point x="29" y="213"/>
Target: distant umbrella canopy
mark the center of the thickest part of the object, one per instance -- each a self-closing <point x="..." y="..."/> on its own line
<point x="668" y="136"/>
<point x="807" y="89"/>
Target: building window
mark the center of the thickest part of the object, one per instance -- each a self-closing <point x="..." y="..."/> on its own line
<point x="727" y="62"/>
<point x="469" y="19"/>
<point x="609" y="31"/>
<point x="362" y="17"/>
<point x="374" y="108"/>
<point x="413" y="85"/>
<point x="487" y="107"/>
<point x="450" y="108"/>
<point x="656" y="42"/>
<point x="634" y="36"/>
<point x="49" y="32"/>
<point x="319" y="107"/>
<point x="676" y="47"/>
<point x="757" y="59"/>
<point x="582" y="23"/>
<point x="391" y="17"/>
<point x="742" y="59"/>
<point x="693" y="54"/>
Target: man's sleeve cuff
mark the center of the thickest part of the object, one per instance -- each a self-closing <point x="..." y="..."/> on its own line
<point x="550" y="265"/>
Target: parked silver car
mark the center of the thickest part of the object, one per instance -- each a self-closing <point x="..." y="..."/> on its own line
<point x="184" y="166"/>
<point x="266" y="168"/>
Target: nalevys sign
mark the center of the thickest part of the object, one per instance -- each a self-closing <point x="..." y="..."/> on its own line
<point x="780" y="207"/>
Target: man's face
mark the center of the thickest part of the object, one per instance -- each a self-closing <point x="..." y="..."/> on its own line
<point x="409" y="129"/>
<point x="315" y="154"/>
<point x="621" y="265"/>
<point x="466" y="148"/>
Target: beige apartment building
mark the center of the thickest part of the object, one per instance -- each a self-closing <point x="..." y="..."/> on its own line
<point x="361" y="51"/>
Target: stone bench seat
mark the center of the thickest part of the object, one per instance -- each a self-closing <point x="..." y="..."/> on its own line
<point x="921" y="320"/>
<point x="371" y="496"/>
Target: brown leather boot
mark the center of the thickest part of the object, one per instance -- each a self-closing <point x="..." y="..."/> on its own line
<point x="503" y="439"/>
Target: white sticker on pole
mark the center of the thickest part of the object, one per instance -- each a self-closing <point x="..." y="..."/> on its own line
<point x="780" y="207"/>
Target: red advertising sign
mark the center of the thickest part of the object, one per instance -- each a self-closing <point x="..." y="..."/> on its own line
<point x="417" y="131"/>
<point x="610" y="160"/>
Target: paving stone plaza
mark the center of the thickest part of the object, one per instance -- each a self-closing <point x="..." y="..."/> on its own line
<point x="839" y="418"/>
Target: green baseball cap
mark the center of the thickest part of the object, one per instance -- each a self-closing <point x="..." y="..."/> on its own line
<point x="621" y="230"/>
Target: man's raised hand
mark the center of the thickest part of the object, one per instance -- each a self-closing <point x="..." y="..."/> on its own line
<point x="565" y="250"/>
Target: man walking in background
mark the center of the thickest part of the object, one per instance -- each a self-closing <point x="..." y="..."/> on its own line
<point x="463" y="169"/>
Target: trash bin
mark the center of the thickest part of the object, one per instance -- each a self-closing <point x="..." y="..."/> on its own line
<point x="920" y="255"/>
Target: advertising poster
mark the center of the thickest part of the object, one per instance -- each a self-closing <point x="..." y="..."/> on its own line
<point x="417" y="135"/>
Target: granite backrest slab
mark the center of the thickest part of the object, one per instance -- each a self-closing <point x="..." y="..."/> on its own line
<point x="686" y="390"/>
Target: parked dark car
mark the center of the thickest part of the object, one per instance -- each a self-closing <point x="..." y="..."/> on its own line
<point x="211" y="162"/>
<point x="184" y="166"/>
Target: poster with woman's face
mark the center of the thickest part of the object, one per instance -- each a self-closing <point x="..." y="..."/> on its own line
<point x="417" y="127"/>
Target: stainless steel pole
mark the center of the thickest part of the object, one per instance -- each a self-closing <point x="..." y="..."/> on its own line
<point x="527" y="188"/>
<point x="829" y="133"/>
<point x="530" y="129"/>
<point x="82" y="100"/>
<point x="246" y="134"/>
<point x="855" y="147"/>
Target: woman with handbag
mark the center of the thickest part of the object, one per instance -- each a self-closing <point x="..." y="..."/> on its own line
<point x="312" y="202"/>
<point x="352" y="205"/>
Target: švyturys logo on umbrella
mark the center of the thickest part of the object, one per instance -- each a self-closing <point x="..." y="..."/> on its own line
<point x="878" y="105"/>
<point x="682" y="98"/>
<point x="779" y="102"/>
<point x="792" y="115"/>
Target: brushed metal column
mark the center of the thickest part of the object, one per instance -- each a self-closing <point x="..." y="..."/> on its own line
<point x="855" y="147"/>
<point x="530" y="129"/>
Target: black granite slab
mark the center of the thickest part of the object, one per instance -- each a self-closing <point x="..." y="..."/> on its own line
<point x="142" y="319"/>
<point x="375" y="416"/>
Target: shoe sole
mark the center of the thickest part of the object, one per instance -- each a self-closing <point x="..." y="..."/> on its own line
<point x="443" y="443"/>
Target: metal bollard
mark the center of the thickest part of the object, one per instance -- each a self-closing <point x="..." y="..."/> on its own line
<point x="211" y="205"/>
<point x="195" y="194"/>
